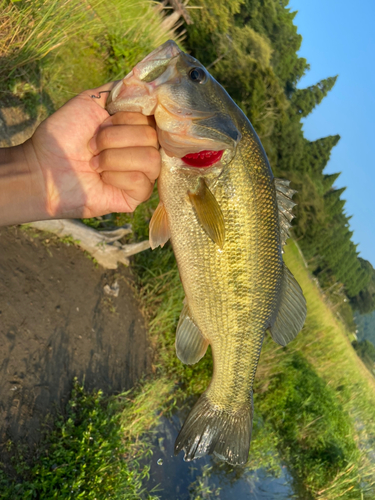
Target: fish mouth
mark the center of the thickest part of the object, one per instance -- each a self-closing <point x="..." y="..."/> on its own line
<point x="203" y="159"/>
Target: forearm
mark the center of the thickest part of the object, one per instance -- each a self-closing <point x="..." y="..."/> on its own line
<point x="22" y="187"/>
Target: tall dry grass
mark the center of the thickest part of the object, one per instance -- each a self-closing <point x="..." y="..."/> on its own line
<point x="31" y="29"/>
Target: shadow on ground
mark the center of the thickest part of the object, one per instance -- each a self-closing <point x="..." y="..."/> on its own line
<point x="57" y="323"/>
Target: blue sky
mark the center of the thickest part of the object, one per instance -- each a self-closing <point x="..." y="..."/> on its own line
<point x="339" y="38"/>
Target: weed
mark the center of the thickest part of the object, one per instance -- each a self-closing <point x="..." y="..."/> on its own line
<point x="69" y="241"/>
<point x="90" y="257"/>
<point x="200" y="488"/>
<point x="108" y="304"/>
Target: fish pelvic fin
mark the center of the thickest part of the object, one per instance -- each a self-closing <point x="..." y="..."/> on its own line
<point x="284" y="195"/>
<point x="159" y="232"/>
<point x="208" y="213"/>
<point x="210" y="429"/>
<point x="191" y="346"/>
<point x="291" y="315"/>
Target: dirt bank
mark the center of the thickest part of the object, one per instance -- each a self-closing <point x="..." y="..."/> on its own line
<point x="56" y="323"/>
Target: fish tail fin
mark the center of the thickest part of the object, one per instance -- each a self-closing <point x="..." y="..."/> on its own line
<point x="212" y="430"/>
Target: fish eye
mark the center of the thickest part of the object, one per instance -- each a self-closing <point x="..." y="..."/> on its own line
<point x="197" y="75"/>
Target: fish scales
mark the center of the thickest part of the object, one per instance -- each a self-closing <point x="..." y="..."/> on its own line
<point x="227" y="218"/>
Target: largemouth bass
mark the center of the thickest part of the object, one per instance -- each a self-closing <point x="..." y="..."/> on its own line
<point x="227" y="218"/>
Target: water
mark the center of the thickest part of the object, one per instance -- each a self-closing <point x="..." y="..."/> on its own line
<point x="207" y="478"/>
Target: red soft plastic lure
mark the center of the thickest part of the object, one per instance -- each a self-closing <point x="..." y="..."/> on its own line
<point x="203" y="159"/>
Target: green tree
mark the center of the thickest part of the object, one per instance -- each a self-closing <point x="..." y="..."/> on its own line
<point x="305" y="100"/>
<point x="364" y="301"/>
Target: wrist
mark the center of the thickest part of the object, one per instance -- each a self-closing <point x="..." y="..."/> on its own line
<point x="22" y="186"/>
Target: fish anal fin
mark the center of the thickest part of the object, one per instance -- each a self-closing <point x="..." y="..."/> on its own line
<point x="284" y="195"/>
<point x="159" y="232"/>
<point x="208" y="212"/>
<point x="191" y="346"/>
<point x="210" y="429"/>
<point x="291" y="315"/>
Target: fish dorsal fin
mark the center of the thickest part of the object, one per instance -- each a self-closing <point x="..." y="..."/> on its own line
<point x="284" y="195"/>
<point x="159" y="230"/>
<point x="191" y="346"/>
<point x="208" y="212"/>
<point x="292" y="310"/>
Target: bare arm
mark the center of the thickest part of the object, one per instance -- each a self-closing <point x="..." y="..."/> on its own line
<point x="22" y="196"/>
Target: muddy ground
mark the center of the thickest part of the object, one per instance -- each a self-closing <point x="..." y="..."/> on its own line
<point x="56" y="323"/>
<point x="56" y="320"/>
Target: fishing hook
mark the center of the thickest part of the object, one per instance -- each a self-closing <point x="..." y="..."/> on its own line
<point x="99" y="96"/>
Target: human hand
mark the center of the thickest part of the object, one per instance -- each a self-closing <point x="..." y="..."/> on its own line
<point x="91" y="163"/>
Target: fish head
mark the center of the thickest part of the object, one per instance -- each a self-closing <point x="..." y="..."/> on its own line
<point x="193" y="113"/>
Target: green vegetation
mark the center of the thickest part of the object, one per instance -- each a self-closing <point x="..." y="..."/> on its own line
<point x="365" y="300"/>
<point x="91" y="453"/>
<point x="200" y="489"/>
<point x="316" y="435"/>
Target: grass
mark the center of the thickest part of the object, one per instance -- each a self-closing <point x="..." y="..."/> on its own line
<point x="93" y="451"/>
<point x="29" y="30"/>
<point x="327" y="346"/>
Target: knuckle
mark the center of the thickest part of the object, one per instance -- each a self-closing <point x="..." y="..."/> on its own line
<point x="105" y="159"/>
<point x="153" y="156"/>
<point x="150" y="135"/>
<point x="104" y="138"/>
<point x="137" y="179"/>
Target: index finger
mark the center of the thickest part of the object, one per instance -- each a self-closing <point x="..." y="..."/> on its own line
<point x="131" y="118"/>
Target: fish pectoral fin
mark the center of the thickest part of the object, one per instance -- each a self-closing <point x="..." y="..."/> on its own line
<point x="159" y="232"/>
<point x="291" y="315"/>
<point x="208" y="212"/>
<point x="284" y="195"/>
<point x="191" y="346"/>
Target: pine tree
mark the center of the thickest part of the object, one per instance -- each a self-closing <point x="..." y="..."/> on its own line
<point x="328" y="181"/>
<point x="364" y="300"/>
<point x="305" y="100"/>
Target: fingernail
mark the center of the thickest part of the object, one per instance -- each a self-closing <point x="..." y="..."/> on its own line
<point x="92" y="145"/>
